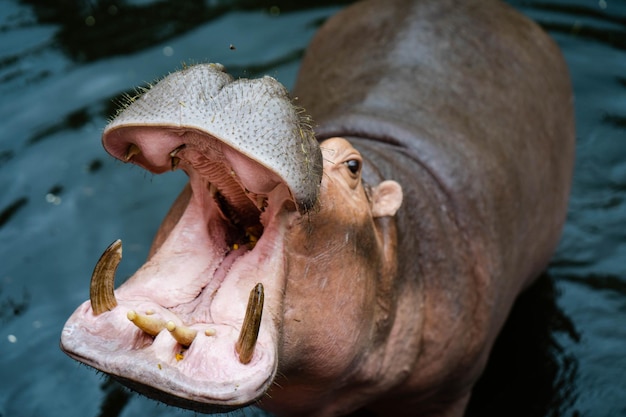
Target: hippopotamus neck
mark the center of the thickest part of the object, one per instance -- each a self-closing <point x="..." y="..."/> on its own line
<point x="436" y="252"/>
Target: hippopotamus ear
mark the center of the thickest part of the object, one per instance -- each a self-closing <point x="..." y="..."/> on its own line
<point x="386" y="198"/>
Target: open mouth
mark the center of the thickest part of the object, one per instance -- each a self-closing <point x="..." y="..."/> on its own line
<point x="189" y="325"/>
<point x="197" y="325"/>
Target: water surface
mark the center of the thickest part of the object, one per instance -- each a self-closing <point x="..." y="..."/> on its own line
<point x="63" y="200"/>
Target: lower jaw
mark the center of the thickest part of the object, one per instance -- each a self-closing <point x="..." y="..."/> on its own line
<point x="173" y="400"/>
<point x="207" y="376"/>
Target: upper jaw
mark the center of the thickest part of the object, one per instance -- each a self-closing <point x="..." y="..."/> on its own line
<point x="255" y="118"/>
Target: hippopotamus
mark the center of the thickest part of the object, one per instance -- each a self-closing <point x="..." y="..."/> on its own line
<point x="356" y="245"/>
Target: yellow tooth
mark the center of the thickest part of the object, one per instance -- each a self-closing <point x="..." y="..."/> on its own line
<point x="182" y="334"/>
<point x="210" y="332"/>
<point x="212" y="190"/>
<point x="175" y="151"/>
<point x="131" y="151"/>
<point x="175" y="162"/>
<point x="251" y="324"/>
<point x="150" y="325"/>
<point x="103" y="279"/>
<point x="253" y="233"/>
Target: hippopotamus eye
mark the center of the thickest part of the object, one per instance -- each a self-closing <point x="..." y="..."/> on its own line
<point x="354" y="165"/>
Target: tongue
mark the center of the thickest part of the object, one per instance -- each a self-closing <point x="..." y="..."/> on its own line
<point x="183" y="264"/>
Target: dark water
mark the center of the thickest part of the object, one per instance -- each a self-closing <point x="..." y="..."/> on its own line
<point x="63" y="200"/>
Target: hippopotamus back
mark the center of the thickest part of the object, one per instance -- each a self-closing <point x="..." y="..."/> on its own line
<point x="468" y="105"/>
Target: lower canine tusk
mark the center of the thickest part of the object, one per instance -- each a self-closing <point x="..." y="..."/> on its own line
<point x="182" y="334"/>
<point x="251" y="323"/>
<point x="148" y="324"/>
<point x="103" y="279"/>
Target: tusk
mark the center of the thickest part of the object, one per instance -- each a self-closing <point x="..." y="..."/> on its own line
<point x="175" y="151"/>
<point x="183" y="334"/>
<point x="251" y="323"/>
<point x="212" y="190"/>
<point x="103" y="279"/>
<point x="149" y="324"/>
<point x="131" y="151"/>
<point x="261" y="203"/>
<point x="175" y="159"/>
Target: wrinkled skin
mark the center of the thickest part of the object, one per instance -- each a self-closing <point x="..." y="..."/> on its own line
<point x="446" y="133"/>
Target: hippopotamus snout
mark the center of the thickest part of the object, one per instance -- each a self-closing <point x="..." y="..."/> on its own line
<point x="232" y="121"/>
<point x="194" y="313"/>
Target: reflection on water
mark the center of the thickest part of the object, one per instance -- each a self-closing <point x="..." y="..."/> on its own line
<point x="91" y="31"/>
<point x="64" y="64"/>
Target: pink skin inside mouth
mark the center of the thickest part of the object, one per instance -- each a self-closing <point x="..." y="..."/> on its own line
<point x="200" y="277"/>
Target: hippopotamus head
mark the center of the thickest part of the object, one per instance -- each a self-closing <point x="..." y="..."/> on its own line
<point x="276" y="259"/>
